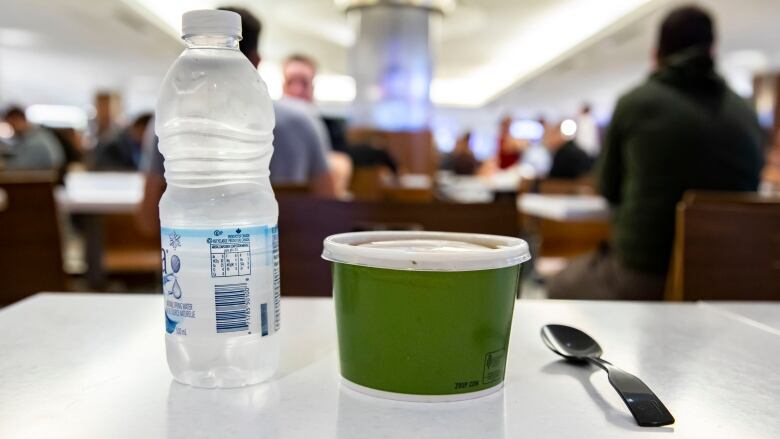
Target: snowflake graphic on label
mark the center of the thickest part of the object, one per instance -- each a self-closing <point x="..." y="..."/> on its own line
<point x="174" y="240"/>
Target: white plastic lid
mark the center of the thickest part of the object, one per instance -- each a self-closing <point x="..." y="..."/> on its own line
<point x="426" y="251"/>
<point x="210" y="21"/>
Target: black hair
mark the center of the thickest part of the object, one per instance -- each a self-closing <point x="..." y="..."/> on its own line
<point x="14" y="111"/>
<point x="686" y="27"/>
<point x="142" y="120"/>
<point x="251" y="28"/>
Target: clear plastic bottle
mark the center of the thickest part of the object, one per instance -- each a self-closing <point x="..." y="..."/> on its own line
<point x="218" y="214"/>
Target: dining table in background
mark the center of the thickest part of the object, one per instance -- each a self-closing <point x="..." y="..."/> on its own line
<point x="564" y="208"/>
<point x="560" y="226"/>
<point x="91" y="195"/>
<point x="93" y="365"/>
<point x="478" y="188"/>
<point x="100" y="192"/>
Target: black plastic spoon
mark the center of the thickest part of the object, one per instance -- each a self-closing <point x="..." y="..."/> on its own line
<point x="577" y="346"/>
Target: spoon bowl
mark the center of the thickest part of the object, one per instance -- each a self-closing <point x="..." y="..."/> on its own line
<point x="570" y="343"/>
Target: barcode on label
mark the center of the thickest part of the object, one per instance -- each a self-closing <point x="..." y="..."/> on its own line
<point x="232" y="307"/>
<point x="277" y="289"/>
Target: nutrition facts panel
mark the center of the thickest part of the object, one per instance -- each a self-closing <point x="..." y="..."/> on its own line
<point x="231" y="258"/>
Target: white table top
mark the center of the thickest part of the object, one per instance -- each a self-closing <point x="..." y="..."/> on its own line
<point x="765" y="315"/>
<point x="564" y="207"/>
<point x="100" y="192"/>
<point x="477" y="189"/>
<point x="93" y="366"/>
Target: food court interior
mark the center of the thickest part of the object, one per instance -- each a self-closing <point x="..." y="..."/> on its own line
<point x="632" y="145"/>
<point x="465" y="116"/>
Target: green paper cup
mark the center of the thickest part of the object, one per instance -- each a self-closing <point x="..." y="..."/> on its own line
<point x="424" y="316"/>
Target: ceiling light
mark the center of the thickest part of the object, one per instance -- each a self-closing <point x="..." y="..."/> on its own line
<point x="272" y="75"/>
<point x="334" y="88"/>
<point x="568" y="127"/>
<point x="526" y="129"/>
<point x="57" y="116"/>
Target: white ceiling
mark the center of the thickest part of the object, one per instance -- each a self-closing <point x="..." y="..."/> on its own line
<point x="484" y="46"/>
<point x="525" y="56"/>
<point x="602" y="70"/>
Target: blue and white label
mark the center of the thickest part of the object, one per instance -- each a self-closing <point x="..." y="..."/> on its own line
<point x="219" y="282"/>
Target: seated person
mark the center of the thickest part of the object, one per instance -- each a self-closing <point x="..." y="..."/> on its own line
<point x="569" y="161"/>
<point x="682" y="129"/>
<point x="299" y="73"/>
<point x="32" y="147"/>
<point x="299" y="157"/>
<point x="461" y="160"/>
<point x="510" y="150"/>
<point x="123" y="152"/>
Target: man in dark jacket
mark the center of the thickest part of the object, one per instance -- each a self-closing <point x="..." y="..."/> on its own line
<point x="569" y="161"/>
<point x="682" y="129"/>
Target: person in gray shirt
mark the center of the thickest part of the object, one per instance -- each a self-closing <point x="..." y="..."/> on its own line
<point x="299" y="72"/>
<point x="299" y="156"/>
<point x="33" y="147"/>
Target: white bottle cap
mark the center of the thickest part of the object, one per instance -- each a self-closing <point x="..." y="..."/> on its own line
<point x="210" y="21"/>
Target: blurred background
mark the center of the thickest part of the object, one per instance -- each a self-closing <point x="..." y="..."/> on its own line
<point x="461" y="115"/>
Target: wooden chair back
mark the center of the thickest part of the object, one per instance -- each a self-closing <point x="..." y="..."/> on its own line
<point x="408" y="195"/>
<point x="304" y="223"/>
<point x="413" y="151"/>
<point x="561" y="186"/>
<point x="126" y="248"/>
<point x="368" y="182"/>
<point x="727" y="247"/>
<point x="291" y="189"/>
<point x="30" y="245"/>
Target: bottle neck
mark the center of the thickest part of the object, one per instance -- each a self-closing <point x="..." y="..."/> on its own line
<point x="208" y="41"/>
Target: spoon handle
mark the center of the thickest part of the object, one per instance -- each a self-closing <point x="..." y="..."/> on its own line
<point x="647" y="409"/>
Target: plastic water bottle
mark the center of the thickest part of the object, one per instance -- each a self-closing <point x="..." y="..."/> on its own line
<point x="218" y="214"/>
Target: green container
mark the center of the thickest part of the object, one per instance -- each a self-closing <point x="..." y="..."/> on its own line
<point x="424" y="316"/>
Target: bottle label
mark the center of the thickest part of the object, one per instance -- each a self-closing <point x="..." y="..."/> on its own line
<point x="221" y="282"/>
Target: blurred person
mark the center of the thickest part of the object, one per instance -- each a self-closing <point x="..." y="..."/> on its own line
<point x="124" y="151"/>
<point x="682" y="129"/>
<point x="72" y="144"/>
<point x="461" y="159"/>
<point x="587" y="135"/>
<point x="537" y="156"/>
<point x="298" y="91"/>
<point x="568" y="160"/>
<point x="368" y="148"/>
<point x="105" y="126"/>
<point x="299" y="72"/>
<point x="337" y="132"/>
<point x="32" y="147"/>
<point x="298" y="156"/>
<point x="509" y="149"/>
